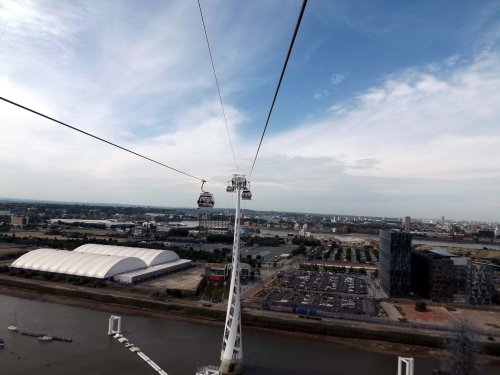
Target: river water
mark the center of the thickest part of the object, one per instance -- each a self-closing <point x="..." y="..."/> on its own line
<point x="178" y="347"/>
<point x="359" y="236"/>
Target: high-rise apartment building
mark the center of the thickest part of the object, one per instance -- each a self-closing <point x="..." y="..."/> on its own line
<point x="479" y="285"/>
<point x="407" y="224"/>
<point x="433" y="275"/>
<point x="395" y="262"/>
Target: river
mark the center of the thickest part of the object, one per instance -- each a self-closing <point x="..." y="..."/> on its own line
<point x="178" y="347"/>
<point x="360" y="236"/>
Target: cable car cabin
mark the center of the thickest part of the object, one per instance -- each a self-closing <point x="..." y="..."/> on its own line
<point x="246" y="194"/>
<point x="206" y="200"/>
<point x="230" y="189"/>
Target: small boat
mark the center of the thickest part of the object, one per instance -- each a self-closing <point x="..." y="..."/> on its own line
<point x="45" y="338"/>
<point x="12" y="328"/>
<point x="2" y="344"/>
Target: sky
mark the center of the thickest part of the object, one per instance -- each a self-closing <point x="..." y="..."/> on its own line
<point x="387" y="108"/>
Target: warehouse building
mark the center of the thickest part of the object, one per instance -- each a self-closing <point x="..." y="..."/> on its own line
<point x="123" y="264"/>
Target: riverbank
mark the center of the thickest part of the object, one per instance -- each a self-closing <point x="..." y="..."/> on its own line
<point x="392" y="340"/>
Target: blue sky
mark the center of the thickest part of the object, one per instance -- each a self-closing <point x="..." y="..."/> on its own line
<point x="388" y="108"/>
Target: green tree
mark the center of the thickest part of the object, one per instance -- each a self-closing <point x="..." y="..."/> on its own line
<point x="462" y="350"/>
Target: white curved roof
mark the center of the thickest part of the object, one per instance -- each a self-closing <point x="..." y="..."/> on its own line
<point x="151" y="257"/>
<point x="78" y="264"/>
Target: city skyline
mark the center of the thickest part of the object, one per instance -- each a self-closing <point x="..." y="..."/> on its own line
<point x="338" y="217"/>
<point x="385" y="110"/>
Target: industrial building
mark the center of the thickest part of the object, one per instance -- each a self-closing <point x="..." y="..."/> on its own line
<point x="395" y="262"/>
<point x="123" y="264"/>
<point x="106" y="223"/>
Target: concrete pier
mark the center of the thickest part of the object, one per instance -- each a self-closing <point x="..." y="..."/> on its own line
<point x="127" y="344"/>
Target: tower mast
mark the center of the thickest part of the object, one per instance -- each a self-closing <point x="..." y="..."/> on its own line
<point x="232" y="346"/>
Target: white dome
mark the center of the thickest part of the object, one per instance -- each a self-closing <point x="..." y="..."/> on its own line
<point x="151" y="257"/>
<point x="78" y="263"/>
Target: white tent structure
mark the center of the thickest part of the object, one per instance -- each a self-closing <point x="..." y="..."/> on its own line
<point x="151" y="257"/>
<point x="77" y="264"/>
<point x="123" y="264"/>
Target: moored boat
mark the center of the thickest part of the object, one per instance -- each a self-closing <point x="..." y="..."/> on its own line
<point x="13" y="328"/>
<point x="45" y="338"/>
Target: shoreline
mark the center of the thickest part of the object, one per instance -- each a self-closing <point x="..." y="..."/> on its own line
<point x="373" y="345"/>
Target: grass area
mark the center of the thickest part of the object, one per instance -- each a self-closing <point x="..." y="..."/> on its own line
<point x="274" y="283"/>
<point x="67" y="232"/>
<point x="214" y="292"/>
<point x="263" y="293"/>
<point x="95" y="232"/>
<point x="34" y="234"/>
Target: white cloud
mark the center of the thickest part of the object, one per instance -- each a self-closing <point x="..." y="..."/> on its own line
<point x="424" y="139"/>
<point x="414" y="128"/>
<point x="321" y="94"/>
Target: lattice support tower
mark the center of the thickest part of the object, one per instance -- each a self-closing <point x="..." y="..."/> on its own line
<point x="232" y="345"/>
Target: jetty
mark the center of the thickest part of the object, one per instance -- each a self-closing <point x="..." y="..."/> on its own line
<point x="37" y="335"/>
<point x="116" y="333"/>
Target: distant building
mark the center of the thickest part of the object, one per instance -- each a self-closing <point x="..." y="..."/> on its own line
<point x="471" y="228"/>
<point x="407" y="224"/>
<point x="479" y="285"/>
<point x="105" y="223"/>
<point x="217" y="271"/>
<point x="18" y="221"/>
<point x="395" y="262"/>
<point x="222" y="271"/>
<point x="215" y="224"/>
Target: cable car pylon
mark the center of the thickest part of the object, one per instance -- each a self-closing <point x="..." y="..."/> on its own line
<point x="232" y="345"/>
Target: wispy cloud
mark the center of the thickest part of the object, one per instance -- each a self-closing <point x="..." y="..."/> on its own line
<point x="415" y="126"/>
<point x="420" y="117"/>
<point x="321" y="94"/>
<point x="337" y="78"/>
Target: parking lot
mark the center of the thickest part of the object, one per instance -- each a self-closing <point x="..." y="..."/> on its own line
<point x="324" y="282"/>
<point x="321" y="293"/>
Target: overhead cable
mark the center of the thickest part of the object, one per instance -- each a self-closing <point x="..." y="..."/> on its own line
<point x="218" y="86"/>
<point x="101" y="139"/>
<point x="304" y="3"/>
